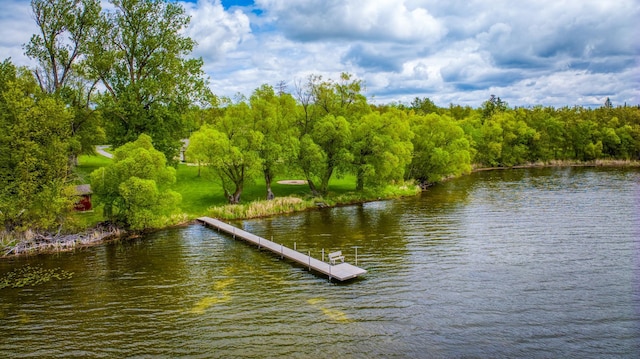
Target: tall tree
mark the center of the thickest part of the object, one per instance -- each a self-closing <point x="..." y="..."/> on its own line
<point x="34" y="134"/>
<point x="325" y="127"/>
<point x="274" y="116"/>
<point x="423" y="106"/>
<point x="141" y="57"/>
<point x="65" y="30"/>
<point x="440" y="149"/>
<point x="381" y="147"/>
<point x="229" y="150"/>
<point x="493" y="105"/>
<point x="332" y="136"/>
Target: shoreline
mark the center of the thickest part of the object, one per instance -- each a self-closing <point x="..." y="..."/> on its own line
<point x="37" y="244"/>
<point x="562" y="163"/>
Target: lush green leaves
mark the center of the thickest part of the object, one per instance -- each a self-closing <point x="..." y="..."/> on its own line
<point x="34" y="130"/>
<point x="230" y="150"/>
<point x="381" y="147"/>
<point x="134" y="188"/>
<point x="140" y="56"/>
<point x="440" y="149"/>
<point x="274" y="117"/>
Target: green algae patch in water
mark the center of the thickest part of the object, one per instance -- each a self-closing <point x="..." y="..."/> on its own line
<point x="331" y="313"/>
<point x="29" y="276"/>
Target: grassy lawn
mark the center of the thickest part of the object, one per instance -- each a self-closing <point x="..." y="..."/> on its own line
<point x="88" y="164"/>
<point x="200" y="192"/>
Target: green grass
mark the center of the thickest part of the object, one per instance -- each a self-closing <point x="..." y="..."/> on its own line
<point x="88" y="164"/>
<point x="200" y="194"/>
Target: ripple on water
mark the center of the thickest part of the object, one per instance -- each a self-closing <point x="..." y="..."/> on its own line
<point x="531" y="263"/>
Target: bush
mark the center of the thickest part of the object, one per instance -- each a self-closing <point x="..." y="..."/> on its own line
<point x="134" y="188"/>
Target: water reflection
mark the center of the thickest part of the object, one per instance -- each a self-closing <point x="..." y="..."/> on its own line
<point x="525" y="263"/>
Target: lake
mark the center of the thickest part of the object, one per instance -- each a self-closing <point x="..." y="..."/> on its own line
<point x="520" y="263"/>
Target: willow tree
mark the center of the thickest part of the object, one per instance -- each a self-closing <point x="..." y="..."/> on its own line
<point x="141" y="57"/>
<point x="381" y="147"/>
<point x="274" y="116"/>
<point x="229" y="150"/>
<point x="135" y="187"/>
<point x="440" y="149"/>
<point x="325" y="127"/>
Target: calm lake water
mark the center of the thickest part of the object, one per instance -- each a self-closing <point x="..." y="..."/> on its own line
<point x="520" y="263"/>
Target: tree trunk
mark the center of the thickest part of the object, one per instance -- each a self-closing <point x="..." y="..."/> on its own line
<point x="312" y="187"/>
<point x="360" y="180"/>
<point x="268" y="178"/>
<point x="235" y="197"/>
<point x="73" y="160"/>
<point x="324" y="186"/>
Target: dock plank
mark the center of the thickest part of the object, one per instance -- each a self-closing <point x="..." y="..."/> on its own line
<point x="341" y="272"/>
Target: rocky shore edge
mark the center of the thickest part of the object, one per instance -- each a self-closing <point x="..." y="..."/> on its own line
<point x="37" y="243"/>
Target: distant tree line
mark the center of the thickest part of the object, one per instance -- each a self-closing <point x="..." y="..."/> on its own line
<point x="326" y="127"/>
<point x="124" y="77"/>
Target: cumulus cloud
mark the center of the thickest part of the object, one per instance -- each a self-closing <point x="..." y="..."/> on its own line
<point x="551" y="52"/>
<point x="216" y="30"/>
<point x="372" y="20"/>
<point x="16" y="27"/>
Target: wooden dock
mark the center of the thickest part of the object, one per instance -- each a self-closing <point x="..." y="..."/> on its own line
<point x="341" y="272"/>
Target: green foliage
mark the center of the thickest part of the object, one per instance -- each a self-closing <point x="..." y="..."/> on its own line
<point x="230" y="153"/>
<point x="139" y="54"/>
<point x="332" y="137"/>
<point x="274" y="116"/>
<point x="34" y="135"/>
<point x="440" y="149"/>
<point x="492" y="106"/>
<point x="134" y="188"/>
<point x="424" y="106"/>
<point x="32" y="276"/>
<point x="381" y="148"/>
<point x="65" y="29"/>
<point x="324" y="124"/>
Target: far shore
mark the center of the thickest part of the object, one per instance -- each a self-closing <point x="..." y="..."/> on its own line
<point x="560" y="163"/>
<point x="35" y="244"/>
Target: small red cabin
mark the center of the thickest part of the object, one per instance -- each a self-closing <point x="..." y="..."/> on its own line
<point x="83" y="203"/>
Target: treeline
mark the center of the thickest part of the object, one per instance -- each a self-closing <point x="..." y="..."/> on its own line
<point x="324" y="127"/>
<point x="123" y="76"/>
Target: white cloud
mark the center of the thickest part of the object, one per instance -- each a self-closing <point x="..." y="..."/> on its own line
<point x="16" y="27"/>
<point x="547" y="52"/>
<point x="372" y="20"/>
<point x="216" y="31"/>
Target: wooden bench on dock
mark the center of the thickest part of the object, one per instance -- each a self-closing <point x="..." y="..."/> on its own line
<point x="336" y="256"/>
<point x="343" y="271"/>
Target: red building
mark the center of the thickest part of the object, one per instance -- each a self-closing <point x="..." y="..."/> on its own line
<point x="83" y="203"/>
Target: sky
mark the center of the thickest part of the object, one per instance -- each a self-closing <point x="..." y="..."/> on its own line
<point x="527" y="52"/>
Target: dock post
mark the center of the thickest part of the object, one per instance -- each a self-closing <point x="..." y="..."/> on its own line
<point x="323" y="254"/>
<point x="294" y="246"/>
<point x="281" y="251"/>
<point x="259" y="242"/>
<point x="309" y="261"/>
<point x="233" y="230"/>
<point x="329" y="272"/>
<point x="356" y="248"/>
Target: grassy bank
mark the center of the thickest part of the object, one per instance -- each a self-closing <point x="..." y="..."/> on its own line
<point x="290" y="204"/>
<point x="201" y="196"/>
